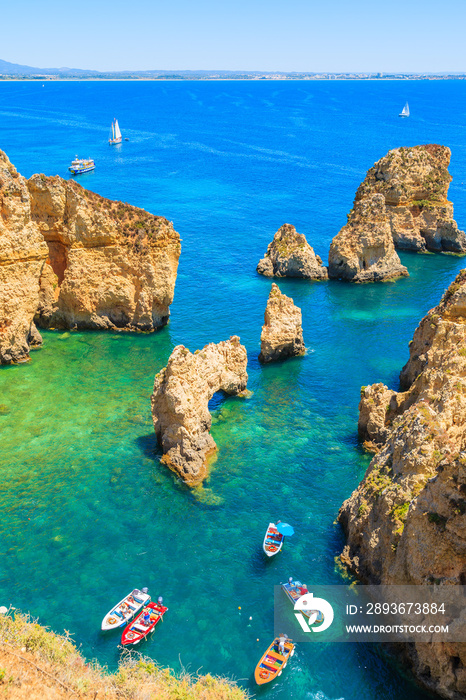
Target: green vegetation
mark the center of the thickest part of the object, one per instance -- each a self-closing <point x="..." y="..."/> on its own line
<point x="55" y="661"/>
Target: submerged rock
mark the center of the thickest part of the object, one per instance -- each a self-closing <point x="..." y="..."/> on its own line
<point x="290" y="255"/>
<point x="182" y="391"/>
<point x="414" y="183"/>
<point x="405" y="523"/>
<point x="282" y="332"/>
<point x="363" y="251"/>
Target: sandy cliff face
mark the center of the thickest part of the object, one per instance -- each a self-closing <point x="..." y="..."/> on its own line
<point x="363" y="251"/>
<point x="110" y="265"/>
<point x="182" y="391"/>
<point x="22" y="255"/>
<point x="290" y="255"/>
<point x="405" y="523"/>
<point x="414" y="183"/>
<point x="282" y="332"/>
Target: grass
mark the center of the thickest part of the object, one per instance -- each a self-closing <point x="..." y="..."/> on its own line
<point x="41" y="664"/>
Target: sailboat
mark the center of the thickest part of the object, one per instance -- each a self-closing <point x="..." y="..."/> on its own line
<point x="115" y="133"/>
<point x="405" y="111"/>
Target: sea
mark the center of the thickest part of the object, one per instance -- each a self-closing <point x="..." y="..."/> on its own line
<point x="87" y="510"/>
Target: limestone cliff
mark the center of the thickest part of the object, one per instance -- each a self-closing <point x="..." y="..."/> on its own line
<point x="405" y="523"/>
<point x="72" y="259"/>
<point x="110" y="265"/>
<point x="282" y="332"/>
<point x="414" y="183"/>
<point x="363" y="251"/>
<point x="22" y="255"/>
<point x="182" y="391"/>
<point x="290" y="255"/>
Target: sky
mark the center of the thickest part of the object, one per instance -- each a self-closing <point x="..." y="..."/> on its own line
<point x="263" y="35"/>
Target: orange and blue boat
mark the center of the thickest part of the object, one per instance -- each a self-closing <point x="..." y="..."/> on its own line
<point x="273" y="662"/>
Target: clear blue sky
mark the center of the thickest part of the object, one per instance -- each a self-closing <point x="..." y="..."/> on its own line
<point x="286" y="35"/>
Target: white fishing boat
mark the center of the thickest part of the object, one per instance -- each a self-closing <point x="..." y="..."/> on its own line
<point x="81" y="165"/>
<point x="405" y="111"/>
<point x="126" y="609"/>
<point x="273" y="541"/>
<point x="115" y="133"/>
<point x="294" y="590"/>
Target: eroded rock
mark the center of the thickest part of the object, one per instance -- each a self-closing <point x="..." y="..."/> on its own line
<point x="23" y="252"/>
<point x="405" y="523"/>
<point x="290" y="255"/>
<point x="182" y="391"/>
<point x="282" y="332"/>
<point x="363" y="251"/>
<point x="414" y="183"/>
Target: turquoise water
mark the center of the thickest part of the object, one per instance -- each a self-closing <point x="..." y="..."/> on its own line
<point x="88" y="511"/>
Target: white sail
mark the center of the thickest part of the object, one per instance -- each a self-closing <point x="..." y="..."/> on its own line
<point x="118" y="132"/>
<point x="405" y="111"/>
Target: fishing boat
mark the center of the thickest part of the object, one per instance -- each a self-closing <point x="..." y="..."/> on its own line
<point x="126" y="609"/>
<point x="294" y="590"/>
<point x="405" y="111"/>
<point x="273" y="662"/>
<point x="81" y="165"/>
<point x="140" y="628"/>
<point x="273" y="541"/>
<point x="115" y="133"/>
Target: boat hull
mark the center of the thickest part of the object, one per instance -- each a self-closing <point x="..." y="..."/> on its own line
<point x="80" y="171"/>
<point x="273" y="541"/>
<point x="293" y="594"/>
<point x="136" y="631"/>
<point x="116" y="618"/>
<point x="113" y="142"/>
<point x="272" y="662"/>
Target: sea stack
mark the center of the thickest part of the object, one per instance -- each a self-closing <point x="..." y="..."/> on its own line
<point x="180" y="399"/>
<point x="290" y="255"/>
<point x="110" y="265"/>
<point x="363" y="251"/>
<point x="405" y="523"/>
<point x="72" y="259"/>
<point x="414" y="183"/>
<point x="282" y="332"/>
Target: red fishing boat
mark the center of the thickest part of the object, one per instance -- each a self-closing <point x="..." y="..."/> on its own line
<point x="144" y="623"/>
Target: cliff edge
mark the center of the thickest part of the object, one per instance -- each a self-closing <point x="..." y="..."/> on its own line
<point x="405" y="523"/>
<point x="72" y="259"/>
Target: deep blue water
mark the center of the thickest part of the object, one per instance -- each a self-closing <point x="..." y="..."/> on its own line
<point x="88" y="511"/>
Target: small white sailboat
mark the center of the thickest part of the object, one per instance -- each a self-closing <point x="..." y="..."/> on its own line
<point x="115" y="133"/>
<point x="121" y="614"/>
<point x="405" y="111"/>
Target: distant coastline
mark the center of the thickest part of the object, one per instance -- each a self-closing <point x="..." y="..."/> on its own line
<point x="216" y="76"/>
<point x="16" y="71"/>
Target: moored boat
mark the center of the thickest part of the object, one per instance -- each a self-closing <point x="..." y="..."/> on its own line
<point x="273" y="661"/>
<point x="273" y="541"/>
<point x="126" y="609"/>
<point x="115" y="133"/>
<point x="144" y="624"/>
<point x="81" y="165"/>
<point x="294" y="590"/>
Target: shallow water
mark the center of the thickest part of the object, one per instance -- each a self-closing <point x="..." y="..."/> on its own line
<point x="88" y="511"/>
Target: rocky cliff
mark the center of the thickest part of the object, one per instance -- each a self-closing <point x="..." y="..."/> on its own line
<point x="110" y="265"/>
<point x="182" y="391"/>
<point x="363" y="251"/>
<point x="282" y="332"/>
<point x="72" y="259"/>
<point x="290" y="255"/>
<point x="22" y="255"/>
<point x="414" y="183"/>
<point x="405" y="523"/>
